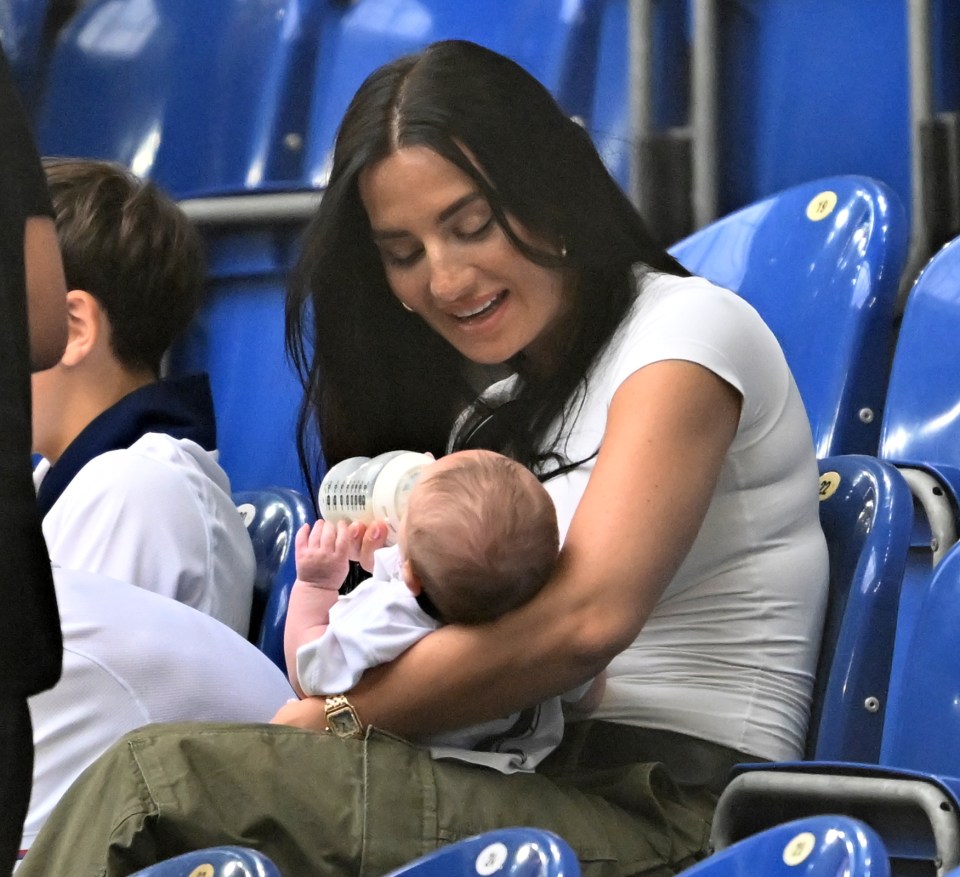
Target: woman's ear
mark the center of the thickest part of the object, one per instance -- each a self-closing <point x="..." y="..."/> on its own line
<point x="85" y="326"/>
<point x="410" y="578"/>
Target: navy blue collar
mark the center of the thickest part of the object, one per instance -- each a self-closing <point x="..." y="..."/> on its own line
<point x="179" y="407"/>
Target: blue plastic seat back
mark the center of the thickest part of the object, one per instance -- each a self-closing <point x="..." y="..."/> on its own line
<point x="866" y="510"/>
<point x="273" y="516"/>
<point x="921" y="430"/>
<point x="200" y="97"/>
<point x="557" y="43"/>
<point x="238" y="339"/>
<point x="505" y="852"/>
<point x="609" y="121"/>
<point x="921" y="422"/>
<point x="815" y="846"/>
<point x="922" y="729"/>
<point x="223" y="861"/>
<point x="22" y="25"/>
<point x="821" y="262"/>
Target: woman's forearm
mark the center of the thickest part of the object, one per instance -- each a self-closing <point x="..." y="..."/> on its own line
<point x="460" y="675"/>
<point x="46" y="292"/>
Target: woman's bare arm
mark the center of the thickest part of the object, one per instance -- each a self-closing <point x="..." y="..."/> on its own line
<point x="46" y="292"/>
<point x="668" y="430"/>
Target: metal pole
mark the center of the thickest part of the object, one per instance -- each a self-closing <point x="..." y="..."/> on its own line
<point x="920" y="71"/>
<point x="244" y="209"/>
<point x="640" y="22"/>
<point x="703" y="111"/>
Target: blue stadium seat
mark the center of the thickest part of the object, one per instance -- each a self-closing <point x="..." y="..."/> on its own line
<point x="866" y="511"/>
<point x="505" y="852"/>
<point x="22" y="24"/>
<point x="817" y="846"/>
<point x="914" y="813"/>
<point x="608" y="120"/>
<point x="922" y="728"/>
<point x="228" y="96"/>
<point x="921" y="422"/>
<point x="912" y="796"/>
<point x="273" y="516"/>
<point x="821" y="262"/>
<point x="199" y="97"/>
<point x="556" y="42"/>
<point x="920" y="433"/>
<point x="225" y="861"/>
<point x="238" y="339"/>
<point x="790" y="74"/>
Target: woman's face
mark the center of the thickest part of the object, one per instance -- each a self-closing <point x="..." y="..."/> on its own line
<point x="447" y="259"/>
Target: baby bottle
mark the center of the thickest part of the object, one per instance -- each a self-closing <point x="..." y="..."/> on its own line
<point x="364" y="489"/>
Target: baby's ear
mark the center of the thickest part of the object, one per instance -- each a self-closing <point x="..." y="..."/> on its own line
<point x="410" y="578"/>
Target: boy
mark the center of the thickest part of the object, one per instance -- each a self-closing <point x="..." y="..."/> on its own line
<point x="129" y="486"/>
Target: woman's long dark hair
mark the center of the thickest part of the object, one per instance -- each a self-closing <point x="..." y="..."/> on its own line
<point x="376" y="378"/>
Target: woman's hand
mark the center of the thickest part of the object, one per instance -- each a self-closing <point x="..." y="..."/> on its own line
<point x="307" y="713"/>
<point x="365" y="540"/>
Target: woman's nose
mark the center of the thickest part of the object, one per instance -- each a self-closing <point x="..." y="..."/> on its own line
<point x="450" y="277"/>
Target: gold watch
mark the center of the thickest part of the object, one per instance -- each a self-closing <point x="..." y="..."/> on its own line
<point x="342" y="718"/>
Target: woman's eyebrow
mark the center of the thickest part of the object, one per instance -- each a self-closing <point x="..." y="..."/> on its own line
<point x="386" y="234"/>
<point x="457" y="205"/>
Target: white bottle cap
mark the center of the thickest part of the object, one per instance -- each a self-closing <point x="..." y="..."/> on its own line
<point x="392" y="488"/>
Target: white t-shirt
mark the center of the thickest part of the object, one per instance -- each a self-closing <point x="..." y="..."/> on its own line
<point x="158" y="515"/>
<point x="730" y="651"/>
<point x="132" y="658"/>
<point x="380" y="619"/>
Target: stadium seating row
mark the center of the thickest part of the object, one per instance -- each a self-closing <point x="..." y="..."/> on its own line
<point x="818" y="846"/>
<point x="232" y="96"/>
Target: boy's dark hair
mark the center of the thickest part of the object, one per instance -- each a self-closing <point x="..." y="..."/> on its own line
<point x="131" y="247"/>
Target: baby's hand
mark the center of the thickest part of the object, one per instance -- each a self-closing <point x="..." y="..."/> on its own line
<point x="323" y="553"/>
<point x="307" y="713"/>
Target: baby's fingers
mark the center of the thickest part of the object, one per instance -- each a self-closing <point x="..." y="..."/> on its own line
<point x="302" y="538"/>
<point x="336" y="540"/>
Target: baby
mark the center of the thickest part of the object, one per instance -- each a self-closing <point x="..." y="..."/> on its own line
<point x="478" y="538"/>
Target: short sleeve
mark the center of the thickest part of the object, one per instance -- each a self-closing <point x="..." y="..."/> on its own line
<point x="693" y="320"/>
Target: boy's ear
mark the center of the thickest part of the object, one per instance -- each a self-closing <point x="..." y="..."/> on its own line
<point x="86" y="324"/>
<point x="410" y="578"/>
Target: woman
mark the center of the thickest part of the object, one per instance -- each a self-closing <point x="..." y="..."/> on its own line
<point x="469" y="226"/>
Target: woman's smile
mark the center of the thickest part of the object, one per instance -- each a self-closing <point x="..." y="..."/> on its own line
<point x="482" y="310"/>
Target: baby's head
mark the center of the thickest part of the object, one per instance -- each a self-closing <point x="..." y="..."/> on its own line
<point x="479" y="536"/>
